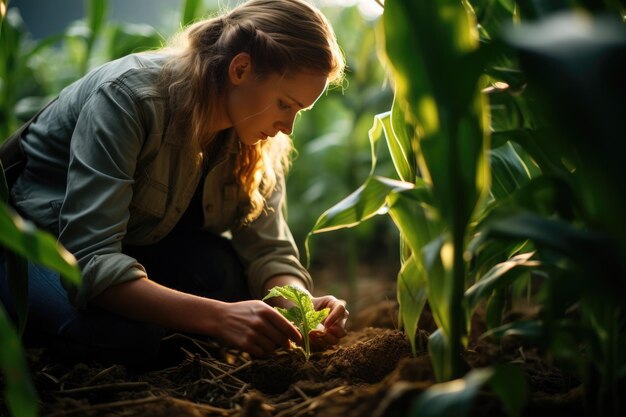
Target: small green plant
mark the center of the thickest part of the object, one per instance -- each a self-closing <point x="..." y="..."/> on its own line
<point x="303" y="314"/>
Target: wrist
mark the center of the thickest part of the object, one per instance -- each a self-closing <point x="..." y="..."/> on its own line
<point x="211" y="316"/>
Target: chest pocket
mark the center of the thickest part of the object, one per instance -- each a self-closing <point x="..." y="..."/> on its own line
<point x="149" y="199"/>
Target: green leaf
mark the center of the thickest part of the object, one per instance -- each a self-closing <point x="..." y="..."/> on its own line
<point x="4" y="188"/>
<point x="437" y="348"/>
<point x="362" y="204"/>
<point x="131" y="38"/>
<point x="97" y="11"/>
<point x="400" y="136"/>
<point x="498" y="277"/>
<point x="316" y="317"/>
<point x="17" y="274"/>
<point x="412" y="296"/>
<point x="303" y="314"/>
<point x="292" y="314"/>
<point x="563" y="238"/>
<point x="533" y="330"/>
<point x="22" y="237"/>
<point x="508" y="171"/>
<point x="19" y="392"/>
<point x="454" y="398"/>
<point x="191" y="11"/>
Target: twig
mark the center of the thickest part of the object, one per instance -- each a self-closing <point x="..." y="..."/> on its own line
<point x="116" y="404"/>
<point x="204" y="407"/>
<point x="141" y="401"/>
<point x="234" y="371"/>
<point x="99" y="374"/>
<point x="308" y="402"/>
<point x="226" y="373"/>
<point x="106" y="387"/>
<point x="239" y="394"/>
<point x="301" y="393"/>
<point x="196" y="342"/>
<point x="380" y="3"/>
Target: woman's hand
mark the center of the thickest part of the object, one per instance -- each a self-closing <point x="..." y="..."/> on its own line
<point x="255" y="327"/>
<point x="334" y="325"/>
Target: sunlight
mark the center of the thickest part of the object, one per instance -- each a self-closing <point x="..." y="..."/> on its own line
<point x="370" y="9"/>
<point x="447" y="255"/>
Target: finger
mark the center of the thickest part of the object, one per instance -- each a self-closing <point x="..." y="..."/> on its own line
<point x="337" y="331"/>
<point x="284" y="326"/>
<point x="277" y="337"/>
<point x="339" y="314"/>
<point x="265" y="344"/>
<point x="321" y="340"/>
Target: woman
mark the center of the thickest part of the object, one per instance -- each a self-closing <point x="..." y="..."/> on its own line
<point x="142" y="165"/>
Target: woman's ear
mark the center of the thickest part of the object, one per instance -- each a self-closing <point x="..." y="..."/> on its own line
<point x="240" y="68"/>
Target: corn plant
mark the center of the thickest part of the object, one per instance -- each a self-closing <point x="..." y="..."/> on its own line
<point x="21" y="241"/>
<point x="577" y="139"/>
<point x="437" y="134"/>
<point x="554" y="194"/>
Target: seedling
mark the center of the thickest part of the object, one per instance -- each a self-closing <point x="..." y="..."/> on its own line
<point x="303" y="314"/>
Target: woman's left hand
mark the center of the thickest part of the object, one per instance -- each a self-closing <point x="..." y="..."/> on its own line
<point x="334" y="325"/>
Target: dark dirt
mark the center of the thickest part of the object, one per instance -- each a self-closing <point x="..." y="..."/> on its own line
<point x="371" y="373"/>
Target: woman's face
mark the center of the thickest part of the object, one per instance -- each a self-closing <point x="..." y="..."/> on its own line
<point x="260" y="107"/>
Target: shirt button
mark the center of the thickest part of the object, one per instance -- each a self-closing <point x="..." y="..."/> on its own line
<point x="209" y="208"/>
<point x="177" y="209"/>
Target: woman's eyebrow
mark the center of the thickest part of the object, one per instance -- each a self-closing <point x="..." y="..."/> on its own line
<point x="295" y="101"/>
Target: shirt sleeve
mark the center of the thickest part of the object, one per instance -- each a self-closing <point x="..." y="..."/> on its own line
<point x="267" y="247"/>
<point x="104" y="149"/>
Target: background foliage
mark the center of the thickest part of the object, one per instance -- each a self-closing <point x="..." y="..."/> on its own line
<point x="500" y="166"/>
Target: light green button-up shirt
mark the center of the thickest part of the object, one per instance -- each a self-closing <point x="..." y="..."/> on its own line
<point x="102" y="170"/>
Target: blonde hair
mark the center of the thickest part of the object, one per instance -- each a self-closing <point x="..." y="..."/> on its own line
<point x="282" y="37"/>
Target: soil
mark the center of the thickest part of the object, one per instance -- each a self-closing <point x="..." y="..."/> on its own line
<point x="372" y="373"/>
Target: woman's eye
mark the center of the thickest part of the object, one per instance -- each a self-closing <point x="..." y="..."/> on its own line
<point x="283" y="106"/>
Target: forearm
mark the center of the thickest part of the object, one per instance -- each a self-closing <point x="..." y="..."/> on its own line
<point x="147" y="301"/>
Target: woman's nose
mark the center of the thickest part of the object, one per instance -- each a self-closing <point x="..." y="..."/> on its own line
<point x="285" y="126"/>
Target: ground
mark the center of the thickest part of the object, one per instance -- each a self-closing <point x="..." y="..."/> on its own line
<point x="371" y="373"/>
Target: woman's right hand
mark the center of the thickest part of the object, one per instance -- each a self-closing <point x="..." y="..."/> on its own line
<point x="255" y="327"/>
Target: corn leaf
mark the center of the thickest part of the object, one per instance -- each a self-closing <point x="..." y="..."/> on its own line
<point x="498" y="277"/>
<point x="17" y="276"/>
<point x="22" y="237"/>
<point x="362" y="204"/>
<point x="191" y="11"/>
<point x="412" y="296"/>
<point x="400" y="135"/>
<point x="454" y="398"/>
<point x="508" y="171"/>
<point x="19" y="392"/>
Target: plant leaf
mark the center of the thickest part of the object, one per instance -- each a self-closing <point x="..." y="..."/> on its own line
<point x="360" y="205"/>
<point x="19" y="392"/>
<point x="498" y="277"/>
<point x="454" y="398"/>
<point x="303" y="314"/>
<point x="412" y="296"/>
<point x="314" y="318"/>
<point x="23" y="238"/>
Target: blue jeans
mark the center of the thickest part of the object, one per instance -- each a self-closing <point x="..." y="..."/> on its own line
<point x="188" y="260"/>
